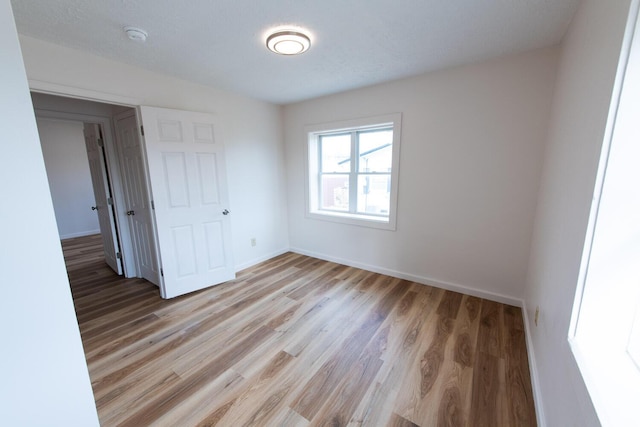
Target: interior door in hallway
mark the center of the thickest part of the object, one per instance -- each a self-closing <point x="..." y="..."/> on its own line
<point x="137" y="196"/>
<point x="102" y="194"/>
<point x="188" y="182"/>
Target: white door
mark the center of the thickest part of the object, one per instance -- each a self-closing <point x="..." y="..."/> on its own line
<point x="188" y="182"/>
<point x="102" y="194"/>
<point x="137" y="196"/>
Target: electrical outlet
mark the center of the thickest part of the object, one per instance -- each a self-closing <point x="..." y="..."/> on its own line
<point x="253" y="241"/>
<point x="535" y="317"/>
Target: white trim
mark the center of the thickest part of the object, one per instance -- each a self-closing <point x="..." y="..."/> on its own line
<point x="533" y="368"/>
<point x="504" y="299"/>
<point x="352" y="219"/>
<point x="625" y="53"/>
<point x="599" y="294"/>
<point x="79" y="234"/>
<point x="255" y="261"/>
<point x="79" y="93"/>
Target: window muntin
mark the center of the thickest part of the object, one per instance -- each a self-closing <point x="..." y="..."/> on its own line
<point x="352" y="172"/>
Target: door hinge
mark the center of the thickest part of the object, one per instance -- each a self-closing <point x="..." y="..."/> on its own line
<point x="162" y="272"/>
<point x="110" y="201"/>
<point x="142" y="130"/>
<point x="118" y="255"/>
<point x="100" y="142"/>
<point x="153" y="205"/>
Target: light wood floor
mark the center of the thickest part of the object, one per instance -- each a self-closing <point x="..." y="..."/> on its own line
<point x="297" y="341"/>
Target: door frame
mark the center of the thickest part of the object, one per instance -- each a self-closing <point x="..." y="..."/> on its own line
<point x="113" y="167"/>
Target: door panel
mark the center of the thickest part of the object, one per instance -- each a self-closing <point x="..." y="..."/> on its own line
<point x="102" y="194"/>
<point x="138" y="200"/>
<point x="188" y="182"/>
<point x="207" y="174"/>
<point x="214" y="232"/>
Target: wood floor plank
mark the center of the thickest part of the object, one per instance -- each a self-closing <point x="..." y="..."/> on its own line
<point x="521" y="409"/>
<point x="297" y="341"/>
<point x="173" y="397"/>
<point x="344" y="400"/>
<point x="456" y="406"/>
<point x="445" y="381"/>
<point x="485" y="410"/>
<point x="378" y="405"/>
<point x="416" y="367"/>
<point x="398" y="421"/>
<point x="333" y="372"/>
<point x="490" y="339"/>
<point x="245" y="403"/>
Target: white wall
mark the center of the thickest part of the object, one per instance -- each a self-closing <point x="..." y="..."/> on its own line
<point x="251" y="130"/>
<point x="45" y="379"/>
<point x="471" y="153"/>
<point x="65" y="158"/>
<point x="587" y="70"/>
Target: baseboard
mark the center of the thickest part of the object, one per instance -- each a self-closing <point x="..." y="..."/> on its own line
<point x="79" y="234"/>
<point x="260" y="259"/>
<point x="535" y="383"/>
<point x="505" y="299"/>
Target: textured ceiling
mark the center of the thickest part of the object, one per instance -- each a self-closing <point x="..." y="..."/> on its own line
<point x="355" y="43"/>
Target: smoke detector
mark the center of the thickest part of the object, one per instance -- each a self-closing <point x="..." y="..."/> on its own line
<point x="136" y="34"/>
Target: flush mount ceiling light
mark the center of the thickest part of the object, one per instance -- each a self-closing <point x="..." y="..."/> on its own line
<point x="136" y="34"/>
<point x="288" y="42"/>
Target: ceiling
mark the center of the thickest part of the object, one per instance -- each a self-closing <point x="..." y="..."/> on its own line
<point x="355" y="43"/>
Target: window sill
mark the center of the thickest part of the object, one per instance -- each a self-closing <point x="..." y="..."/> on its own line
<point x="605" y="370"/>
<point x="353" y="219"/>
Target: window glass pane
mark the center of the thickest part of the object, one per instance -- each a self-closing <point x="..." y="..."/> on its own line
<point x="334" y="194"/>
<point x="374" y="149"/>
<point x="374" y="194"/>
<point x="336" y="153"/>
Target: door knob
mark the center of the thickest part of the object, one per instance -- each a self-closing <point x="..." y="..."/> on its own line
<point x="94" y="208"/>
<point x="225" y="212"/>
<point x="130" y="213"/>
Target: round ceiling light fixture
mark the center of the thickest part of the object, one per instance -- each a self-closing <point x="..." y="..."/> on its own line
<point x="136" y="34"/>
<point x="288" y="42"/>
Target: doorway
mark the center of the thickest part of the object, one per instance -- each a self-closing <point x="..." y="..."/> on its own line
<point x="118" y="191"/>
<point x="188" y="225"/>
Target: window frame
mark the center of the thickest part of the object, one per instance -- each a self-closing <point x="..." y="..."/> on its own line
<point x="314" y="173"/>
<point x="602" y="319"/>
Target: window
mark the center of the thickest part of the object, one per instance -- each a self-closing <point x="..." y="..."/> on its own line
<point x="605" y="331"/>
<point x="353" y="171"/>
